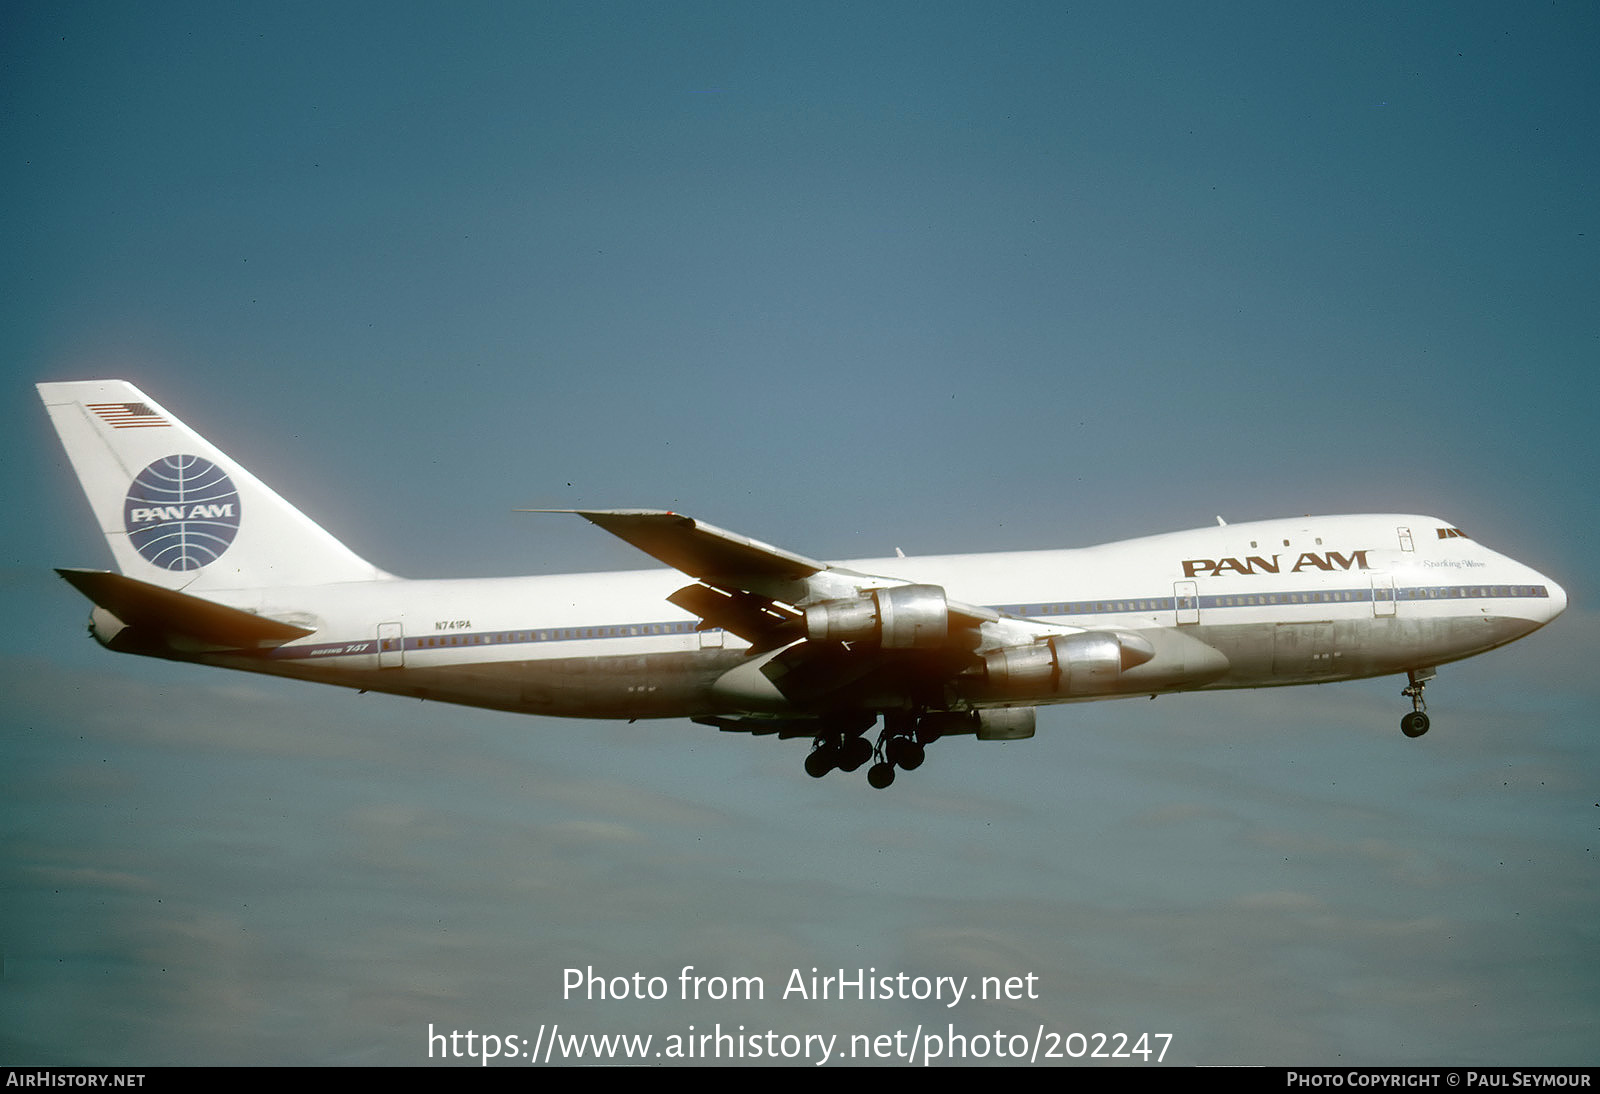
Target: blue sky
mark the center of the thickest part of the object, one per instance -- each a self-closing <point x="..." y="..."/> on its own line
<point x="932" y="276"/>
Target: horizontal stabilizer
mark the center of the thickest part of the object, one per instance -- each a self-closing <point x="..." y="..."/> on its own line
<point x="145" y="606"/>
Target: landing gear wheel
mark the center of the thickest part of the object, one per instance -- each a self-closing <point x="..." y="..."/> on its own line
<point x="853" y="752"/>
<point x="901" y="745"/>
<point x="1414" y="724"/>
<point x="822" y="760"/>
<point x="880" y="775"/>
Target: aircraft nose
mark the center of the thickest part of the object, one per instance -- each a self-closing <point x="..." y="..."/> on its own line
<point x="1558" y="599"/>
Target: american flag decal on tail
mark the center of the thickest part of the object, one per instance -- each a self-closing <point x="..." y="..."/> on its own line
<point x="127" y="415"/>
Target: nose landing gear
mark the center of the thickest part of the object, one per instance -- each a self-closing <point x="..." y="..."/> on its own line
<point x="1415" y="724"/>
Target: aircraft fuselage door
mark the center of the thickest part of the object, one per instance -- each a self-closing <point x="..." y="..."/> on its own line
<point x="391" y="646"/>
<point x="1186" y="602"/>
<point x="1382" y="594"/>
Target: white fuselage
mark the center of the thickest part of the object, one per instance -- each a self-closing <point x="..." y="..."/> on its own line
<point x="1247" y="605"/>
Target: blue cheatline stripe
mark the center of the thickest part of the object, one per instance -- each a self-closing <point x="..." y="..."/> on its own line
<point x="1358" y="595"/>
<point x="468" y="639"/>
<point x="1046" y="609"/>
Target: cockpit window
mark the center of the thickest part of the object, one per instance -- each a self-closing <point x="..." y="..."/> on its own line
<point x="1452" y="533"/>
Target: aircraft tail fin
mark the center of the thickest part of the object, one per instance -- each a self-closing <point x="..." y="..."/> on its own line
<point x="175" y="510"/>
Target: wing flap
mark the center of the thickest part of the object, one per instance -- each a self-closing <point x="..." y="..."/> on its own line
<point x="753" y="618"/>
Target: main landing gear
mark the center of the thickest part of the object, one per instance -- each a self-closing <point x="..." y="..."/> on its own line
<point x="842" y="751"/>
<point x="1415" y="724"/>
<point x="901" y="744"/>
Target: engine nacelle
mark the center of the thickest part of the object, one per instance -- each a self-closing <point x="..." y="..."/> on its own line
<point x="104" y="626"/>
<point x="998" y="724"/>
<point x="1072" y="664"/>
<point x="1006" y="724"/>
<point x="905" y="617"/>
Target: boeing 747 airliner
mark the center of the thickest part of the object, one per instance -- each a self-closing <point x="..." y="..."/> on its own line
<point x="217" y="569"/>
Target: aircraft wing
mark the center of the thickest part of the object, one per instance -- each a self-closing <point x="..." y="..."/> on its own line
<point x="746" y="586"/>
<point x="701" y="550"/>
<point x="824" y="637"/>
<point x="722" y="559"/>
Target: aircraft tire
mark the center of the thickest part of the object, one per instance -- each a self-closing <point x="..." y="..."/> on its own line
<point x="1414" y="724"/>
<point x="880" y="775"/>
<point x="821" y="761"/>
<point x="854" y="752"/>
<point x="911" y="756"/>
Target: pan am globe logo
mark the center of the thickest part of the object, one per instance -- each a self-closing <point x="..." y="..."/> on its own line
<point x="181" y="512"/>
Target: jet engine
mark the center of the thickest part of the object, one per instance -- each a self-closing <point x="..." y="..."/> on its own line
<point x="1072" y="664"/>
<point x="997" y="724"/>
<point x="904" y="617"/>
